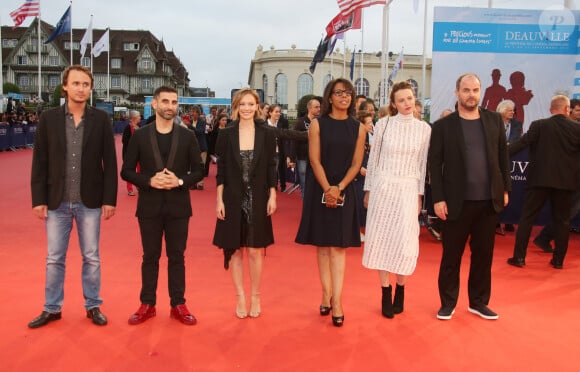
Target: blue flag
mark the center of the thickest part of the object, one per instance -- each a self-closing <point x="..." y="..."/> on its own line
<point x="320" y="53"/>
<point x="352" y="65"/>
<point x="63" y="26"/>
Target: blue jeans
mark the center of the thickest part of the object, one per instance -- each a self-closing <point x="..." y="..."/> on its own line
<point x="301" y="165"/>
<point x="58" y="227"/>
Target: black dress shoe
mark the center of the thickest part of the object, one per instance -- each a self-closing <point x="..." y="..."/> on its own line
<point x="97" y="317"/>
<point x="43" y="319"/>
<point x="543" y="245"/>
<point x="518" y="262"/>
<point x="556" y="265"/>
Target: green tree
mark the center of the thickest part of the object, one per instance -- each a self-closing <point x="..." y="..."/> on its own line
<point x="10" y="88"/>
<point x="302" y="110"/>
<point x="56" y="95"/>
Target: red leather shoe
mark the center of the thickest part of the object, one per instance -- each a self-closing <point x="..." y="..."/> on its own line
<point x="143" y="313"/>
<point x="181" y="313"/>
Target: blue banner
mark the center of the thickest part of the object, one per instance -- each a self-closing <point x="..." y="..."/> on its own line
<point x="18" y="137"/>
<point x="502" y="38"/>
<point x="4" y="137"/>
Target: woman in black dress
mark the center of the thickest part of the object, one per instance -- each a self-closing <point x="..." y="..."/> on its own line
<point x="329" y="213"/>
<point x="246" y="195"/>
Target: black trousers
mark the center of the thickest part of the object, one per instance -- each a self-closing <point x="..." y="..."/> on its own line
<point x="152" y="231"/>
<point x="282" y="170"/>
<point x="547" y="233"/>
<point x="533" y="203"/>
<point x="476" y="223"/>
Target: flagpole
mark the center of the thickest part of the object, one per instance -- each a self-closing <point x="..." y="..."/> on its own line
<point x="362" y="44"/>
<point x="331" y="62"/>
<point x="424" y="67"/>
<point x="91" y="53"/>
<point x="71" y="36"/>
<point x="39" y="57"/>
<point x="384" y="56"/>
<point x="353" y="73"/>
<point x="344" y="56"/>
<point x="108" y="62"/>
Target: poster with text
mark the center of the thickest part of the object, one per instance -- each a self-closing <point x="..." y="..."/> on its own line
<point x="527" y="56"/>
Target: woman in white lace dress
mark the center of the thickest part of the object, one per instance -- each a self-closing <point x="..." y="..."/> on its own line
<point x="393" y="192"/>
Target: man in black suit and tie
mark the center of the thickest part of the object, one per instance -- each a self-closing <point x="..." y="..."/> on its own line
<point x="74" y="178"/>
<point x="554" y="174"/>
<point x="470" y="180"/>
<point x="170" y="162"/>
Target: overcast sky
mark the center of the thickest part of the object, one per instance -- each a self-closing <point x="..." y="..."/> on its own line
<point x="216" y="40"/>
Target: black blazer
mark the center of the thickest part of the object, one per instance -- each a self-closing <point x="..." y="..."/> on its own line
<point x="152" y="202"/>
<point x="447" y="161"/>
<point x="229" y="174"/>
<point x="554" y="153"/>
<point x="98" y="164"/>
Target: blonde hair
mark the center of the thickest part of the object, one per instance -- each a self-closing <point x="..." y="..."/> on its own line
<point x="238" y="97"/>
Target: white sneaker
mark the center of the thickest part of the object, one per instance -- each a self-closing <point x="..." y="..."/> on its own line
<point x="362" y="237"/>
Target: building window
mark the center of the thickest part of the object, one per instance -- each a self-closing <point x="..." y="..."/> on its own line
<point x="147" y="64"/>
<point x="305" y="84"/>
<point x="116" y="63"/>
<point x="23" y="80"/>
<point x="327" y="79"/>
<point x="53" y="60"/>
<point x="9" y="43"/>
<point x="281" y="88"/>
<point x="21" y="60"/>
<point x="265" y="84"/>
<point x="115" y="81"/>
<point x="86" y="61"/>
<point x="76" y="45"/>
<point x="53" y="81"/>
<point x="131" y="46"/>
<point x="146" y="83"/>
<point x="362" y="86"/>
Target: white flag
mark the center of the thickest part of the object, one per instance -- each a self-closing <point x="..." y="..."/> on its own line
<point x="102" y="45"/>
<point x="87" y="38"/>
<point x="396" y="66"/>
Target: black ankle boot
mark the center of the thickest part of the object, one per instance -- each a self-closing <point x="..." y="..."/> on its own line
<point x="387" y="302"/>
<point x="399" y="299"/>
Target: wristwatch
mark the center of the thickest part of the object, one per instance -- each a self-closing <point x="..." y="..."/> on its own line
<point x="339" y="188"/>
<point x="180" y="181"/>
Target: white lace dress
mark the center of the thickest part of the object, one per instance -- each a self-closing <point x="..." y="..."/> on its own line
<point x="395" y="178"/>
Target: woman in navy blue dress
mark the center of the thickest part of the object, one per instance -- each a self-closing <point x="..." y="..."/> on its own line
<point x="329" y="214"/>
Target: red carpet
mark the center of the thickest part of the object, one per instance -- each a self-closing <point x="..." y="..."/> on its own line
<point x="539" y="307"/>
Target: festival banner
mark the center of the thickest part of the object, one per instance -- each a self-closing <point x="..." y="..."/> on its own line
<point x="527" y="56"/>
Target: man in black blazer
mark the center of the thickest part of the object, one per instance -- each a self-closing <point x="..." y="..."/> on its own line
<point x="470" y="180"/>
<point x="170" y="162"/>
<point x="74" y="178"/>
<point x="546" y="235"/>
<point x="554" y="174"/>
<point x="282" y="145"/>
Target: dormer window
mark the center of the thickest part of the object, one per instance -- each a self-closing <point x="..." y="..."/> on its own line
<point x="131" y="46"/>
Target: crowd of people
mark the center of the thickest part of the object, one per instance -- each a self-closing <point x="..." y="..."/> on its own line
<point x="361" y="181"/>
<point x="16" y="115"/>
